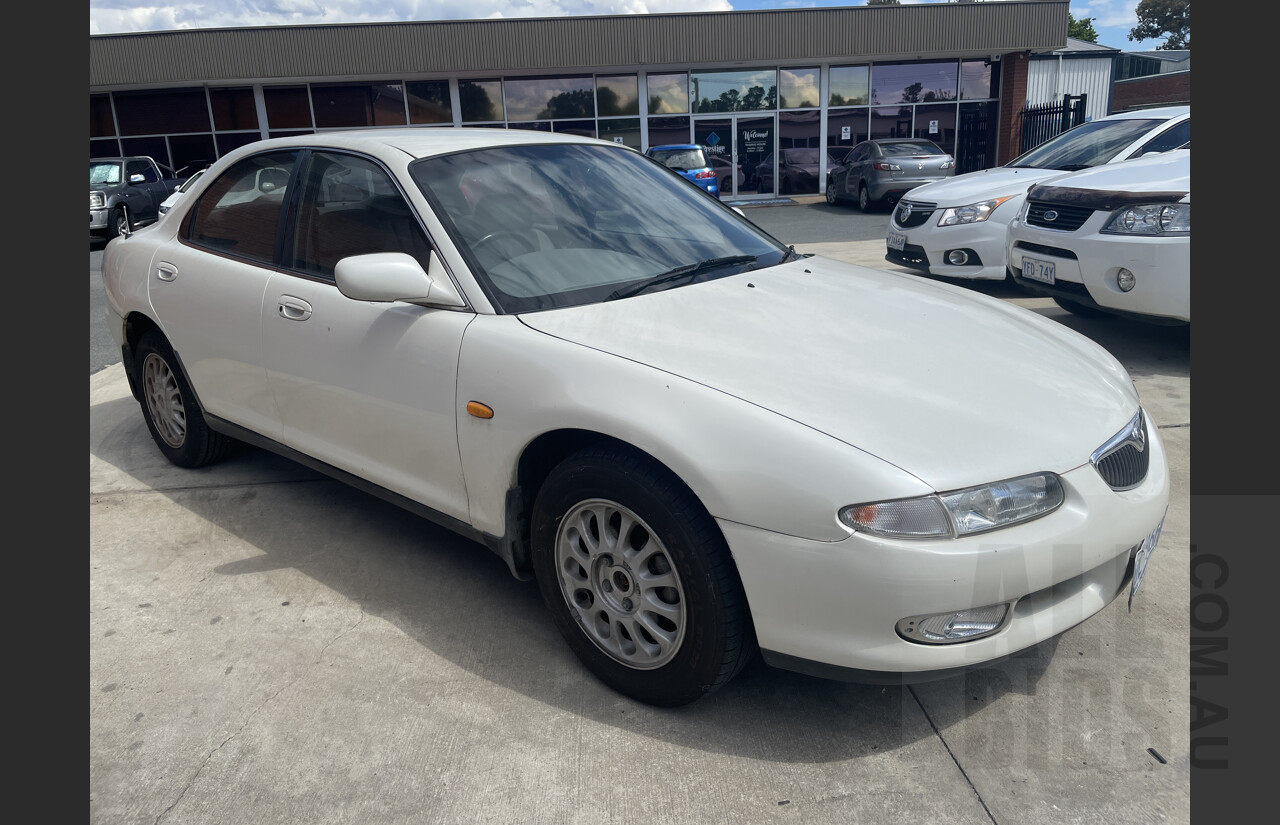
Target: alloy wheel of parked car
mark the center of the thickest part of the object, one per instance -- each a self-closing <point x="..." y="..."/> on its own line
<point x="119" y="224"/>
<point x="638" y="578"/>
<point x="864" y="199"/>
<point x="173" y="416"/>
<point x="832" y="200"/>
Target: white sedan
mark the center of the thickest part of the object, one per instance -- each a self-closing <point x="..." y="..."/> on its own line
<point x="955" y="228"/>
<point x="1111" y="240"/>
<point x="699" y="443"/>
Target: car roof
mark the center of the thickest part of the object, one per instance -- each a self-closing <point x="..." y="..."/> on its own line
<point x="422" y="142"/>
<point x="1167" y="112"/>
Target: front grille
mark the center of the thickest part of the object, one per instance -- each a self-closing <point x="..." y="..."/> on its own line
<point x="1066" y="218"/>
<point x="1124" y="460"/>
<point x="1056" y="251"/>
<point x="910" y="214"/>
<point x="912" y="255"/>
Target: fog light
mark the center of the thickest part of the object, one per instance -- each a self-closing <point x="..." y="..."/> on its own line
<point x="949" y="628"/>
<point x="957" y="257"/>
<point x="1126" y="280"/>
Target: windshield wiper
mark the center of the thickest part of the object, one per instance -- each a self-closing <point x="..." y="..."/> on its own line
<point x="687" y="271"/>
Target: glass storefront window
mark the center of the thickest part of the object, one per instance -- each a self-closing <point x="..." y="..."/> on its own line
<point x="668" y="93"/>
<point x="665" y="130"/>
<point x="350" y="105"/>
<point x="532" y="125"/>
<point x="152" y="147"/>
<point x="288" y="107"/>
<point x="162" y="112"/>
<point x="798" y="89"/>
<point x="191" y="150"/>
<point x="848" y="85"/>
<point x="101" y="122"/>
<point x="914" y="82"/>
<point x="108" y="148"/>
<point x="625" y="131"/>
<point x="542" y="98"/>
<point x="937" y="122"/>
<point x="230" y="142"/>
<point x="618" y="95"/>
<point x="740" y="91"/>
<point x="855" y="120"/>
<point x="233" y="109"/>
<point x="799" y="171"/>
<point x="975" y="80"/>
<point x="891" y="122"/>
<point x="429" y="102"/>
<point x="480" y="100"/>
<point x="586" y="128"/>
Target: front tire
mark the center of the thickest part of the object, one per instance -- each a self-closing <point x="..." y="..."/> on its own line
<point x="119" y="223"/>
<point x="832" y="199"/>
<point x="173" y="415"/>
<point x="638" y="578"/>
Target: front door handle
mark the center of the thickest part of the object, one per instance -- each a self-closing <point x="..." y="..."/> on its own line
<point x="166" y="271"/>
<point x="294" y="309"/>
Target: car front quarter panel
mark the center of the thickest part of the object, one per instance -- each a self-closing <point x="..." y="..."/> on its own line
<point x="746" y="464"/>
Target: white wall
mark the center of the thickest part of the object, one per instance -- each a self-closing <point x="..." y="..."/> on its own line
<point x="1048" y="80"/>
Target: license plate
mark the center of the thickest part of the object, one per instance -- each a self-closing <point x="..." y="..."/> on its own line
<point x="896" y="241"/>
<point x="1037" y="270"/>
<point x="1140" y="559"/>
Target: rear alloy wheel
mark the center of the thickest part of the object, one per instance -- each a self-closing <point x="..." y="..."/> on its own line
<point x="864" y="199"/>
<point x="173" y="415"/>
<point x="832" y="200"/>
<point x="638" y="578"/>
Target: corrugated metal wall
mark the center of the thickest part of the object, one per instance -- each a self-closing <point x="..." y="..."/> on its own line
<point x="1049" y="80"/>
<point x="397" y="50"/>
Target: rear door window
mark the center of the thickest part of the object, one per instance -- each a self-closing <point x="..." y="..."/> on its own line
<point x="239" y="213"/>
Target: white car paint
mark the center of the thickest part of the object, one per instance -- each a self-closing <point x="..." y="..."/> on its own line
<point x="778" y="396"/>
<point x="1161" y="264"/>
<point x="986" y="238"/>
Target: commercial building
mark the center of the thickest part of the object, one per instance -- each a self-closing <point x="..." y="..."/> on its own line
<point x="747" y="84"/>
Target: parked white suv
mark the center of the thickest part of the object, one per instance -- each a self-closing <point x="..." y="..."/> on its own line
<point x="956" y="227"/>
<point x="1115" y="239"/>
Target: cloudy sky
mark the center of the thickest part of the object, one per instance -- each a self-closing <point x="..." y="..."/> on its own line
<point x="1112" y="19"/>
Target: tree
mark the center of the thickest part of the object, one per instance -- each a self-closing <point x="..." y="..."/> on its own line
<point x="1081" y="29"/>
<point x="1170" y="19"/>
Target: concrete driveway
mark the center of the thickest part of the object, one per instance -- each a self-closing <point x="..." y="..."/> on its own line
<point x="267" y="645"/>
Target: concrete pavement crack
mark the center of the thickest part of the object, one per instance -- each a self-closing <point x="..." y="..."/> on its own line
<point x="950" y="753"/>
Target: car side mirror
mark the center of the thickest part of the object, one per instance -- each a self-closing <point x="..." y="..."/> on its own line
<point x="136" y="178"/>
<point x="381" y="277"/>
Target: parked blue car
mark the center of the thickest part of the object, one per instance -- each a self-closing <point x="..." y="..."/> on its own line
<point x="691" y="161"/>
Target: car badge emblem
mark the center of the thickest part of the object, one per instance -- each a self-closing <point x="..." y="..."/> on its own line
<point x="919" y="165"/>
<point x="904" y="212"/>
<point x="1051" y="215"/>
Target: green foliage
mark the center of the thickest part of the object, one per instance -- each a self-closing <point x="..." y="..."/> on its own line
<point x="1081" y="29"/>
<point x="1170" y="19"/>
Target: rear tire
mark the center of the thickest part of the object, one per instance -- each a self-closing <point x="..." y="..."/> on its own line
<point x="864" y="199"/>
<point x="170" y="408"/>
<point x="638" y="578"/>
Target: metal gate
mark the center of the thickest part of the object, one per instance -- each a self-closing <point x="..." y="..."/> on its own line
<point x="1048" y="120"/>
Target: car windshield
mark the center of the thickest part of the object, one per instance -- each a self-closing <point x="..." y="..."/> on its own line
<point x="100" y="172"/>
<point x="681" y="159"/>
<point x="557" y="225"/>
<point x="919" y="147"/>
<point x="1089" y="144"/>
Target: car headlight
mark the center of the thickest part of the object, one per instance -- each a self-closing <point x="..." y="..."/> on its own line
<point x="97" y="200"/>
<point x="1150" y="219"/>
<point x="959" y="513"/>
<point x="973" y="213"/>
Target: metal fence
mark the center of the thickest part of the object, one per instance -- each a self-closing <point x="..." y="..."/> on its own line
<point x="1047" y="120"/>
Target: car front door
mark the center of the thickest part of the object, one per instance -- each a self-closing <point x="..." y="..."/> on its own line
<point x="368" y="388"/>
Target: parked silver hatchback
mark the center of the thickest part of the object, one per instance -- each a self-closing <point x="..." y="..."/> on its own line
<point x="881" y="171"/>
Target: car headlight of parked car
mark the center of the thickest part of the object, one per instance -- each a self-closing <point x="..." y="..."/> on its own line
<point x="959" y="513"/>
<point x="973" y="213"/>
<point x="97" y="200"/>
<point x="1151" y="219"/>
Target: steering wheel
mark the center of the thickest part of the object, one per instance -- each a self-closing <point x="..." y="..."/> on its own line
<point x="520" y="240"/>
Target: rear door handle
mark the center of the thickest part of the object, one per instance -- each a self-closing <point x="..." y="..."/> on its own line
<point x="294" y="309"/>
<point x="166" y="271"/>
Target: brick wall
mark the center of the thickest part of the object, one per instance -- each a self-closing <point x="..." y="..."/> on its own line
<point x="1172" y="89"/>
<point x="1013" y="98"/>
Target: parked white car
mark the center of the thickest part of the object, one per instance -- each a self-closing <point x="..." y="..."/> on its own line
<point x="697" y="441"/>
<point x="172" y="201"/>
<point x="1114" y="239"/>
<point x="955" y="228"/>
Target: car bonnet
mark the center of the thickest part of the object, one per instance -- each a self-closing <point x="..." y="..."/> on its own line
<point x="954" y="387"/>
<point x="969" y="188"/>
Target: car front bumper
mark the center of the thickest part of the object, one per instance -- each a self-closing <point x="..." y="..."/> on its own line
<point x="926" y="246"/>
<point x="97" y="219"/>
<point x="831" y="608"/>
<point x="1087" y="263"/>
